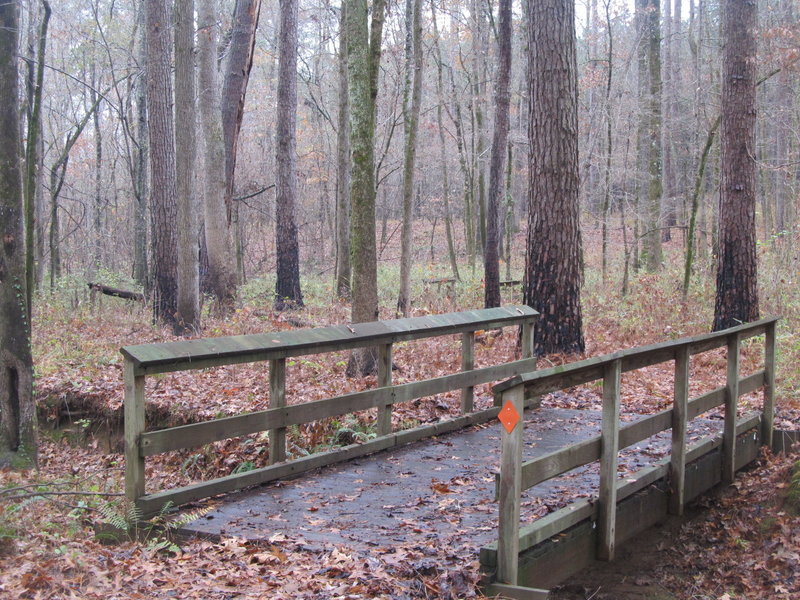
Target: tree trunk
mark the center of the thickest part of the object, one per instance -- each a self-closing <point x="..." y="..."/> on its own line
<point x="32" y="158"/>
<point x="363" y="62"/>
<point x="442" y="148"/>
<point x="343" y="169"/>
<point x="163" y="192"/>
<point x="18" y="444"/>
<point x="650" y="20"/>
<point x="287" y="282"/>
<point x="737" y="292"/>
<point x="188" y="317"/>
<point x="502" y="101"/>
<point x="97" y="223"/>
<point x="217" y="231"/>
<point x="234" y="88"/>
<point x="553" y="257"/>
<point x="140" y="191"/>
<point x="412" y="98"/>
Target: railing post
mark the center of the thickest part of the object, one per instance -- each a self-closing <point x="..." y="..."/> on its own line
<point x="467" y="364"/>
<point x="768" y="413"/>
<point x="134" y="428"/>
<point x="607" y="503"/>
<point x="277" y="399"/>
<point x="510" y="490"/>
<point x="527" y="338"/>
<point x="384" y="421"/>
<point x="679" y="409"/>
<point x="731" y="400"/>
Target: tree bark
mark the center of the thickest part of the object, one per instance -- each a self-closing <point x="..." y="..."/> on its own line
<point x="451" y="250"/>
<point x="287" y="282"/>
<point x="188" y="275"/>
<point x="412" y="98"/>
<point x="343" y="169"/>
<point x="553" y="257"/>
<point x="217" y="231"/>
<point x="140" y="191"/>
<point x="32" y="158"/>
<point x="737" y="291"/>
<point x="18" y="443"/>
<point x="363" y="62"/>
<point x="651" y="20"/>
<point x="234" y="88"/>
<point x="502" y="101"/>
<point x="163" y="192"/>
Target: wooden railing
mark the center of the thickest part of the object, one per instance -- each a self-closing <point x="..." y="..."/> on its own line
<point x="150" y="359"/>
<point x="517" y="476"/>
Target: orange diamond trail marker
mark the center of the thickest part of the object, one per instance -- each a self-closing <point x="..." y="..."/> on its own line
<point x="509" y="416"/>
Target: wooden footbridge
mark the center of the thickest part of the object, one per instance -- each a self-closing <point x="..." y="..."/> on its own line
<point x="517" y="462"/>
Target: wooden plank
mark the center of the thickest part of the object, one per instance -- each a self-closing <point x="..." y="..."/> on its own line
<point x="560" y="461"/>
<point x="731" y="400"/>
<point x="209" y="352"/>
<point x="768" y="426"/>
<point x="383" y="424"/>
<point x="277" y="399"/>
<point x="680" y="404"/>
<point x="199" y="434"/>
<point x="134" y="426"/>
<point x="511" y="444"/>
<point x="152" y="503"/>
<point x="642" y="429"/>
<point x="609" y="458"/>
<point x="515" y="592"/>
<point x="467" y="364"/>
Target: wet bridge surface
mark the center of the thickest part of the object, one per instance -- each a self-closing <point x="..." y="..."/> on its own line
<point x="439" y="490"/>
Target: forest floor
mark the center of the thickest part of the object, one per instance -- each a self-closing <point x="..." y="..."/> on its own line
<point x="743" y="542"/>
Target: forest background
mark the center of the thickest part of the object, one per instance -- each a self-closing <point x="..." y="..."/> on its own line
<point x="90" y="182"/>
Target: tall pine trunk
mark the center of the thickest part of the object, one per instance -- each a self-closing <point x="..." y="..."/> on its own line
<point x="553" y="258"/>
<point x="737" y="291"/>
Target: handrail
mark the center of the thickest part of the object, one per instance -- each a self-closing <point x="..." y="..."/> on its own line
<point x="149" y="359"/>
<point x="516" y="476"/>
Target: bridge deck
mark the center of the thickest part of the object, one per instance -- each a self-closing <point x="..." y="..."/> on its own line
<point x="439" y="490"/>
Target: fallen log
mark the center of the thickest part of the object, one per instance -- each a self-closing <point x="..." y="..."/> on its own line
<point x="109" y="291"/>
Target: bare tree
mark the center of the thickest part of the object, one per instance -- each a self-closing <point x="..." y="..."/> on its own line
<point x="363" y="61"/>
<point x="343" y="169"/>
<point x="502" y="101"/>
<point x="553" y="258"/>
<point x="188" y="316"/>
<point x="737" y="291"/>
<point x="219" y="242"/>
<point x="412" y="99"/>
<point x="287" y="282"/>
<point x="18" y="444"/>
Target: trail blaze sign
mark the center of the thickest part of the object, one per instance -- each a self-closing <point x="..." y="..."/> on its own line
<point x="508" y="416"/>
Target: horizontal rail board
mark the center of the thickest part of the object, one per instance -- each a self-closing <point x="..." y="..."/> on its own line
<point x="153" y="503"/>
<point x="199" y="434"/>
<point x="150" y="359"/>
<point x="548" y="380"/>
<point x="577" y="455"/>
